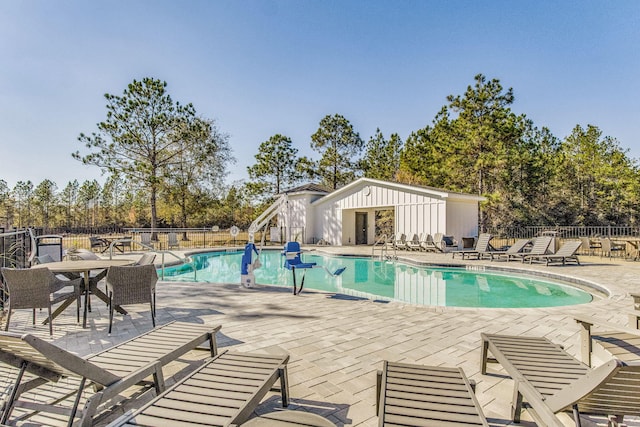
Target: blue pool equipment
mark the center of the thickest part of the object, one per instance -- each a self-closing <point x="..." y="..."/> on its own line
<point x="293" y="260"/>
<point x="248" y="264"/>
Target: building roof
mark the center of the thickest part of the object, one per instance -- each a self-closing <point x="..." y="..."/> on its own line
<point x="431" y="191"/>
<point x="308" y="188"/>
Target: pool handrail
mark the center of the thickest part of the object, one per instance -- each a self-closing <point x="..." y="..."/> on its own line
<point x="384" y="241"/>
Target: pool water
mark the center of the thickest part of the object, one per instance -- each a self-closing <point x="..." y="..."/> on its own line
<point x="387" y="280"/>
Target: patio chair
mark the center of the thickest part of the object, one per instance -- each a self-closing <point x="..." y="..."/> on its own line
<point x="40" y="365"/>
<point x="414" y="395"/>
<point x="98" y="242"/>
<point x="38" y="288"/>
<point x="145" y="239"/>
<point x="540" y="247"/>
<point x="553" y="381"/>
<point x="131" y="284"/>
<point x="224" y="391"/>
<point x="414" y="243"/>
<point x="514" y="250"/>
<point x="610" y="248"/>
<point x="567" y="253"/>
<point x="589" y="246"/>
<point x="481" y="249"/>
<point x="172" y="241"/>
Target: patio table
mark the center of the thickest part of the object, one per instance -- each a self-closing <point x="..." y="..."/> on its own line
<point x="83" y="267"/>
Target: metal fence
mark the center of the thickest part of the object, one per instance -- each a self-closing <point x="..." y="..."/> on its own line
<point x="568" y="232"/>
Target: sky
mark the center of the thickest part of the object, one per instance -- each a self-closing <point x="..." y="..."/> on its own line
<point x="259" y="68"/>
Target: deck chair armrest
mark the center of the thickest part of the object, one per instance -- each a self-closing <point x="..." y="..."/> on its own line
<point x="585" y="320"/>
<point x="565" y="398"/>
<point x="112" y="390"/>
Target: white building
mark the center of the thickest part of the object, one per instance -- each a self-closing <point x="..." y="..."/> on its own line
<point x="347" y="216"/>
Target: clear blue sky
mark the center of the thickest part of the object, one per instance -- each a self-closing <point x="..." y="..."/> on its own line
<point x="265" y="67"/>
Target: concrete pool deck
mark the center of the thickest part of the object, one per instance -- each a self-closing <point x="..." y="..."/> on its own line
<point x="337" y="343"/>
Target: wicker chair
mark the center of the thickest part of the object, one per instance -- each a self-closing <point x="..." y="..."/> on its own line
<point x="133" y="284"/>
<point x="38" y="288"/>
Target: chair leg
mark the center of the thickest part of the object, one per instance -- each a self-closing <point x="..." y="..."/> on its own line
<point x="110" y="312"/>
<point x="34" y="317"/>
<point x="516" y="404"/>
<point x="50" y="321"/>
<point x="6" y="325"/>
<point x="153" y="314"/>
<point x="284" y="385"/>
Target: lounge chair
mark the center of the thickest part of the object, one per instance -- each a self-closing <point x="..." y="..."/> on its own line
<point x="444" y="243"/>
<point x="611" y="340"/>
<point x="414" y="243"/>
<point x="414" y="395"/>
<point x="553" y="381"/>
<point x="514" y="250"/>
<point x="400" y="241"/>
<point x="482" y="248"/>
<point x="223" y="391"/>
<point x="427" y="243"/>
<point x="567" y="253"/>
<point x="540" y="247"/>
<point x="111" y="372"/>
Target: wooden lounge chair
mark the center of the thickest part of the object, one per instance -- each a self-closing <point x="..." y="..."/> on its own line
<point x="540" y="247"/>
<point x="553" y="381"/>
<point x="414" y="395"/>
<point x="224" y="391"/>
<point x="514" y="250"/>
<point x="567" y="253"/>
<point x="110" y="372"/>
<point x="482" y="248"/>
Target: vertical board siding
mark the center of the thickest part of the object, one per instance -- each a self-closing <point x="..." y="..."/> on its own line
<point x="415" y="212"/>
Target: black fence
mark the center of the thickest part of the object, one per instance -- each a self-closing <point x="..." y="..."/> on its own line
<point x="567" y="232"/>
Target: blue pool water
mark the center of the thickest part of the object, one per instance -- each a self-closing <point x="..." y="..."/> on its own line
<point x="375" y="279"/>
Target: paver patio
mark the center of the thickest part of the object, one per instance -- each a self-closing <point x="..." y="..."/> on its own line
<point x="338" y="343"/>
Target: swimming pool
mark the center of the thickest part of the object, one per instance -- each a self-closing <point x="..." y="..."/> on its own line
<point x="386" y="280"/>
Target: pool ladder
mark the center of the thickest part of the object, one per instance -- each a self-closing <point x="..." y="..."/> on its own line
<point x="383" y="244"/>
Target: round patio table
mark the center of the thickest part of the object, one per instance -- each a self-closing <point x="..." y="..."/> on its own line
<point x="289" y="419"/>
<point x="83" y="267"/>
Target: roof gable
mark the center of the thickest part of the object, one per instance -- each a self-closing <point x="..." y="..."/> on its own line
<point x="430" y="191"/>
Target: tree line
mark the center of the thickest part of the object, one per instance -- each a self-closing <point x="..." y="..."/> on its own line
<point x="165" y="165"/>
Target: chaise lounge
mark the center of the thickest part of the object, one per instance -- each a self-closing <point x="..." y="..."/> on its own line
<point x="482" y="248"/>
<point x="567" y="253"/>
<point x="415" y="395"/>
<point x="224" y="391"/>
<point x="552" y="381"/>
<point x="110" y="372"/>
